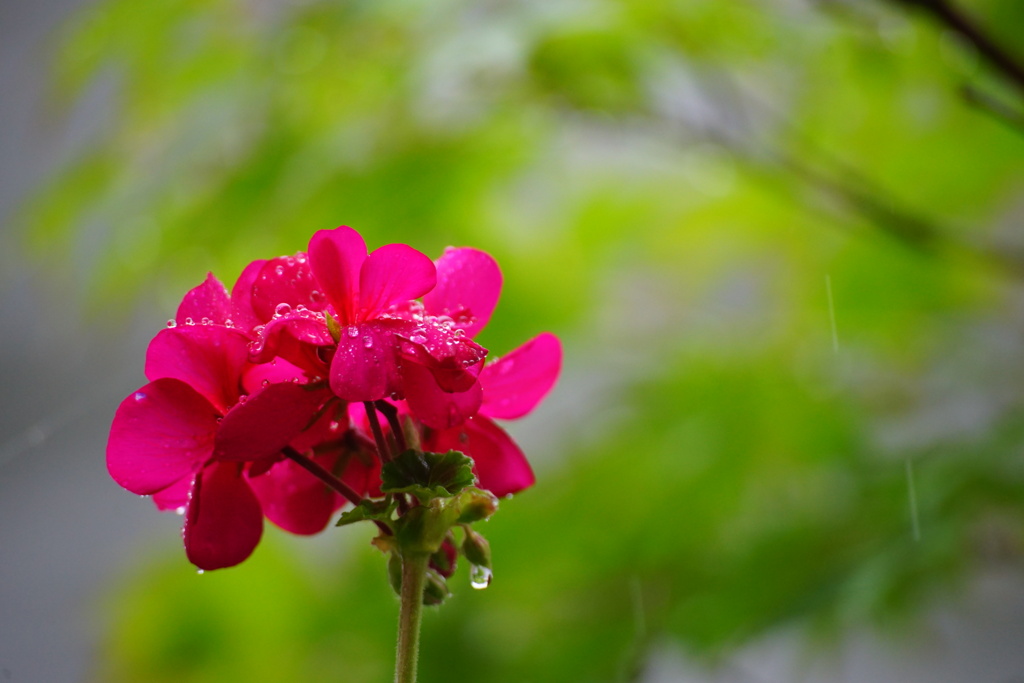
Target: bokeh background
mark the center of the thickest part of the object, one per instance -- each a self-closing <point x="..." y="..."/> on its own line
<point x="782" y="242"/>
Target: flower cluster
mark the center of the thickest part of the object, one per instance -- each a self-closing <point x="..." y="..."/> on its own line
<point x="266" y="401"/>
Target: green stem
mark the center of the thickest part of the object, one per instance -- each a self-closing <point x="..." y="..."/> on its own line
<point x="414" y="573"/>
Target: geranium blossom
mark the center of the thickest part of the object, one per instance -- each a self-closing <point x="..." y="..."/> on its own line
<point x="264" y="402"/>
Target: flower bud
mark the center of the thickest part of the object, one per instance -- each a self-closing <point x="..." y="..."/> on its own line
<point x="476" y="549"/>
<point x="435" y="589"/>
<point x="477" y="505"/>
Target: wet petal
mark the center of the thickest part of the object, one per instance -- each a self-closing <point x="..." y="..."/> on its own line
<point x="365" y="365"/>
<point x="468" y="287"/>
<point x="284" y="284"/>
<point x="209" y="358"/>
<point x="336" y="258"/>
<point x="267" y="421"/>
<point x="209" y="301"/>
<point x="295" y="337"/>
<point x="499" y="464"/>
<point x="175" y="496"/>
<point x="450" y="355"/>
<point x="433" y="406"/>
<point x="516" y="383"/>
<point x="393" y="275"/>
<point x="224" y="521"/>
<point x="242" y="311"/>
<point x="278" y="370"/>
<point x="161" y="433"/>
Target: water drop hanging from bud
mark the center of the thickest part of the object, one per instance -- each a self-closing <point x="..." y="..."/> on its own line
<point x="479" y="577"/>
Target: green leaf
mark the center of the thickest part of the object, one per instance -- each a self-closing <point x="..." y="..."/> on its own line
<point x="368" y="510"/>
<point x="428" y="475"/>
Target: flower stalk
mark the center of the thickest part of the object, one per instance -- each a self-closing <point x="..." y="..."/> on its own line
<point x="414" y="572"/>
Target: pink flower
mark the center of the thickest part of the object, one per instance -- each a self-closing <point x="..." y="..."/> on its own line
<point x="185" y="437"/>
<point x="384" y="345"/>
<point x="512" y="387"/>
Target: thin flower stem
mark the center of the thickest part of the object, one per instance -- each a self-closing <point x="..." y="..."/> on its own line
<point x="414" y="573"/>
<point x="391" y="413"/>
<point x="323" y="475"/>
<point x="378" y="434"/>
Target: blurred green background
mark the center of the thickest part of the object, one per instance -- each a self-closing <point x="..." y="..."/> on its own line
<point x="781" y="244"/>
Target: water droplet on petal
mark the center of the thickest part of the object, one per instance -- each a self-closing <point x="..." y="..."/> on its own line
<point x="266" y="382"/>
<point x="179" y="510"/>
<point x="368" y="341"/>
<point x="282" y="309"/>
<point x="190" y="321"/>
<point x="140" y="396"/>
<point x="352" y="331"/>
<point x="418" y="339"/>
<point x="200" y="571"/>
<point x="172" y="323"/>
<point x="479" y="577"/>
<point x="279" y="270"/>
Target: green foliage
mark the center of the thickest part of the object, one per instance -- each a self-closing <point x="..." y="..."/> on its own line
<point x="427" y="475"/>
<point x="777" y="241"/>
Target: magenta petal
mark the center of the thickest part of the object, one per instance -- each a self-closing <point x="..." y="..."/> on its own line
<point x="468" y="287"/>
<point x="500" y="466"/>
<point x="209" y="301"/>
<point x="336" y="258"/>
<point x="175" y="497"/>
<point x="445" y="350"/>
<point x="517" y="382"/>
<point x="392" y="275"/>
<point x="161" y="433"/>
<point x="434" y="407"/>
<point x="209" y="358"/>
<point x="294" y="499"/>
<point x="242" y="311"/>
<point x="276" y="371"/>
<point x="283" y="284"/>
<point x="294" y="337"/>
<point x="263" y="424"/>
<point x="224" y="521"/>
<point x="365" y="365"/>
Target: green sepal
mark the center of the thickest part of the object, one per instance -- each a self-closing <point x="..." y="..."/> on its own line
<point x="424" y="528"/>
<point x="476" y="505"/>
<point x="368" y="510"/>
<point x="427" y="475"/>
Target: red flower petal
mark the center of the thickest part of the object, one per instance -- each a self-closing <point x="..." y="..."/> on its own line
<point x="294" y="499"/>
<point x="516" y="383"/>
<point x="209" y="358"/>
<point x="224" y="521"/>
<point x="434" y="407"/>
<point x="336" y="258"/>
<point x="242" y="311"/>
<point x="265" y="423"/>
<point x="175" y="497"/>
<point x="365" y="366"/>
<point x="450" y="355"/>
<point x="285" y="280"/>
<point x="500" y="466"/>
<point x="392" y="275"/>
<point x="209" y="300"/>
<point x="468" y="287"/>
<point x="161" y="433"/>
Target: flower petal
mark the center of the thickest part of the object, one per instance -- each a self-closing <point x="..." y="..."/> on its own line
<point x="500" y="465"/>
<point x="294" y="499"/>
<point x="242" y="311"/>
<point x="224" y="521"/>
<point x="207" y="301"/>
<point x="468" y="287"/>
<point x="365" y="365"/>
<point x="285" y="280"/>
<point x="336" y="258"/>
<point x="264" y="423"/>
<point x="175" y="497"/>
<point x="209" y="358"/>
<point x="161" y="433"/>
<point x="392" y="275"/>
<point x="516" y="383"/>
<point x="433" y="406"/>
<point x="450" y="355"/>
